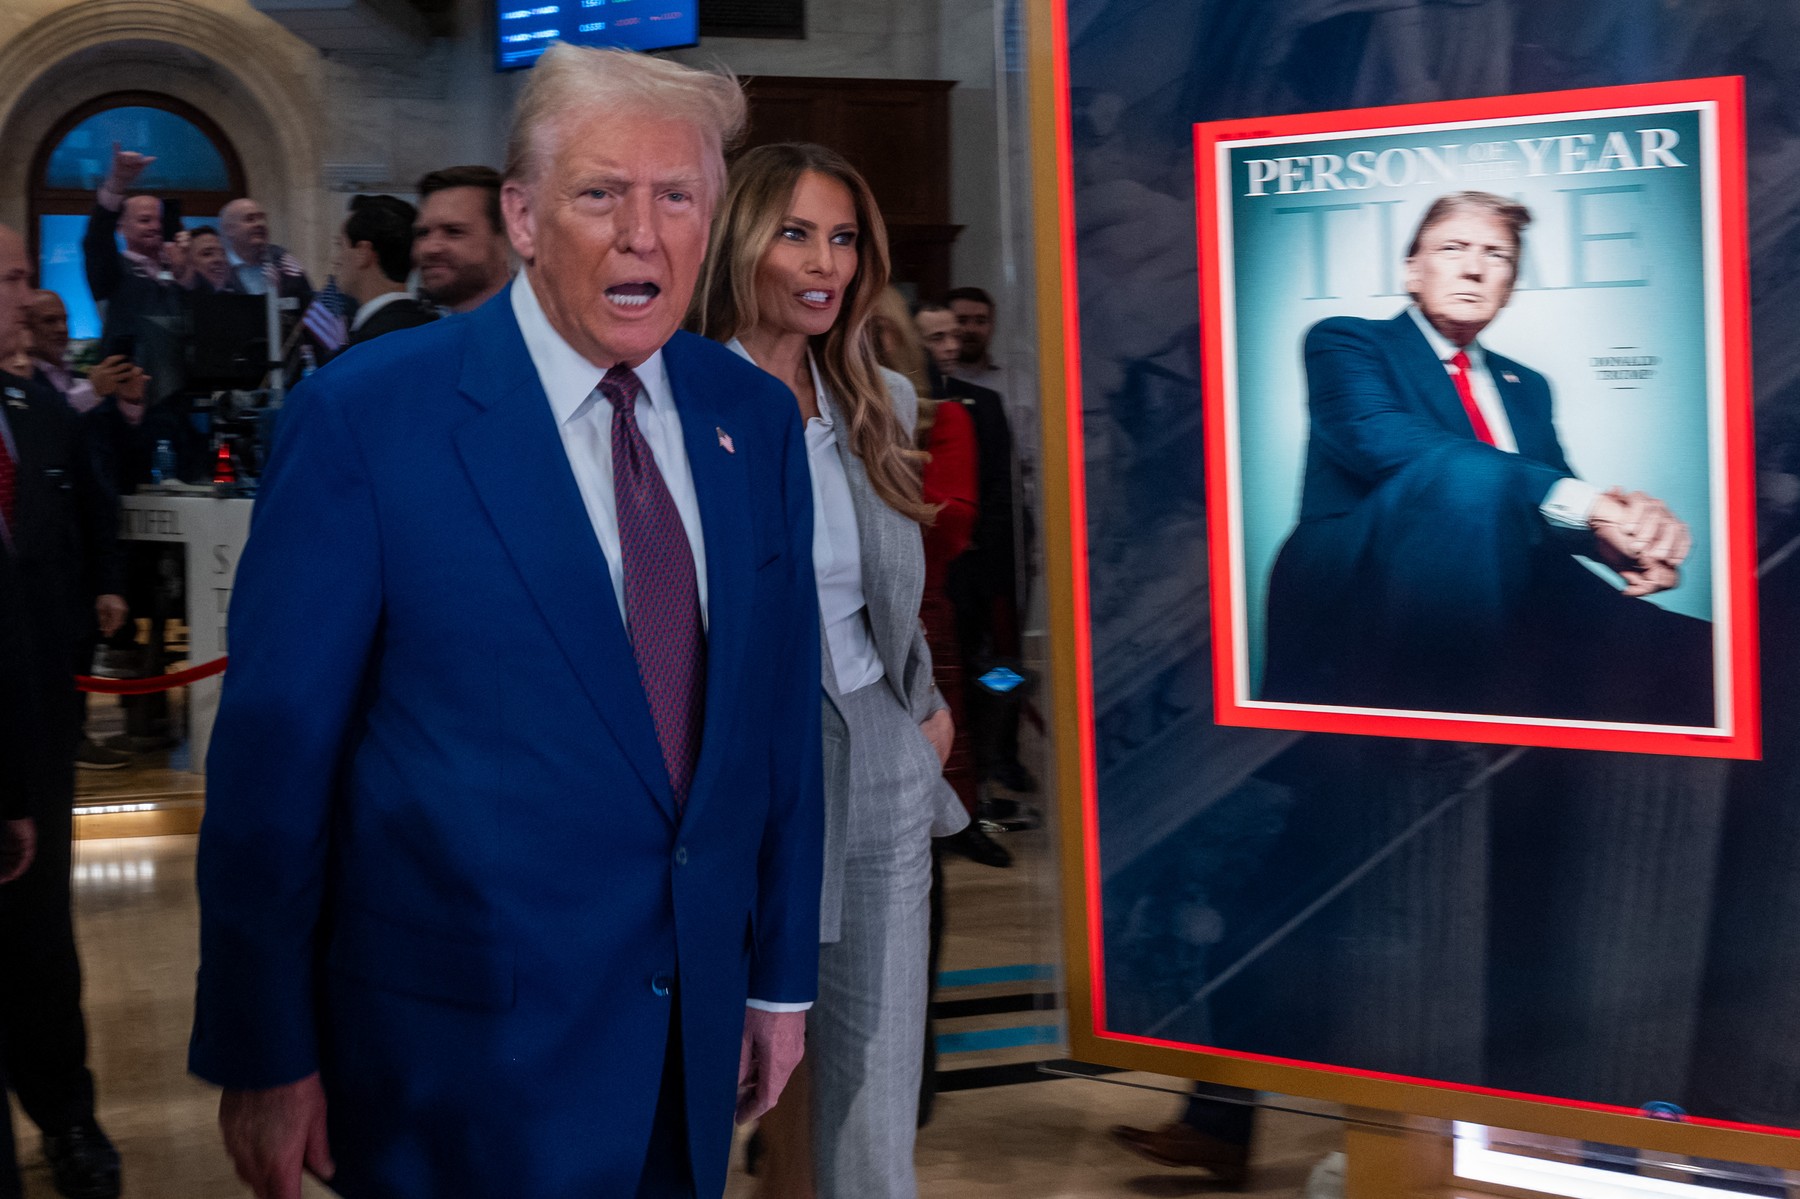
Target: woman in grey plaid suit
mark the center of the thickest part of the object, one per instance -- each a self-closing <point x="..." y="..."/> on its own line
<point x="797" y="262"/>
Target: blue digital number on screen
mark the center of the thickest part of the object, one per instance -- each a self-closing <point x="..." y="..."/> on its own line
<point x="526" y="29"/>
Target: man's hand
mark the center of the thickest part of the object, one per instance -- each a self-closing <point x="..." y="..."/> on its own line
<point x="774" y="1042"/>
<point x="127" y="165"/>
<point x="18" y="845"/>
<point x="941" y="732"/>
<point x="110" y="611"/>
<point x="272" y="1135"/>
<point x="178" y="258"/>
<point x="1639" y="537"/>
<point x="107" y="375"/>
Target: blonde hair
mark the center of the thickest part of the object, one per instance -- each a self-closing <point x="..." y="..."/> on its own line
<point x="892" y="318"/>
<point x="758" y="193"/>
<point x="570" y="79"/>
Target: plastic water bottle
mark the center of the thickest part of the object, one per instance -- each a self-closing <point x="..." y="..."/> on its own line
<point x="308" y="363"/>
<point x="162" y="462"/>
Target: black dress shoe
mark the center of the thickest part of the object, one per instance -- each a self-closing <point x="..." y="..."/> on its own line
<point x="1180" y="1147"/>
<point x="1000" y="814"/>
<point x="83" y="1163"/>
<point x="976" y="845"/>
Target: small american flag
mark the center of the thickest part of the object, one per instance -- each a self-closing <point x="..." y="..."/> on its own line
<point x="324" y="317"/>
<point x="725" y="440"/>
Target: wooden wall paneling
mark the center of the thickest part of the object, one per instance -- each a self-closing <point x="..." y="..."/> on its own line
<point x="897" y="133"/>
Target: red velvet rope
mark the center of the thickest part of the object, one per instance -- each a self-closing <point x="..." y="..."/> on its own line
<point x="149" y="686"/>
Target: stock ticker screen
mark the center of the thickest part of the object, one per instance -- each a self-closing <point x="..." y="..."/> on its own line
<point x="525" y="30"/>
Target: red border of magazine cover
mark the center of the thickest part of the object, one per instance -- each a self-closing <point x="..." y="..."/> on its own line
<point x="1736" y="728"/>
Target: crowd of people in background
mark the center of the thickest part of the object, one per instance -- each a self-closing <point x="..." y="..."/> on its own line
<point x="188" y="310"/>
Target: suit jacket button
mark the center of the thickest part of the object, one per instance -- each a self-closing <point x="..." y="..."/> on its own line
<point x="681" y="855"/>
<point x="661" y="984"/>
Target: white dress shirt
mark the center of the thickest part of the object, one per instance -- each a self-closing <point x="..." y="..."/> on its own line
<point x="837" y="549"/>
<point x="250" y="275"/>
<point x="584" y="418"/>
<point x="368" y="309"/>
<point x="1570" y="500"/>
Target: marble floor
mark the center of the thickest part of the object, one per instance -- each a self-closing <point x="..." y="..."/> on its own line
<point x="1039" y="1138"/>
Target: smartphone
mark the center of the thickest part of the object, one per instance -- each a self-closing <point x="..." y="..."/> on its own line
<point x="171" y="218"/>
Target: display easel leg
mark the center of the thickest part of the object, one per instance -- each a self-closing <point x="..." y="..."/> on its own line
<point x="1390" y="1156"/>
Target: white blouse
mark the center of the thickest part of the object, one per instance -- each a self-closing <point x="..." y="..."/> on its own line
<point x="837" y="549"/>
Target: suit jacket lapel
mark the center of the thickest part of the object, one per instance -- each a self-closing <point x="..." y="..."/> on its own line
<point x="1416" y="361"/>
<point x="880" y="529"/>
<point x="514" y="455"/>
<point x="1528" y="432"/>
<point x="723" y="491"/>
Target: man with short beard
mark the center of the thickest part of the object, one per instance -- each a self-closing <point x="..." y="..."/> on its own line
<point x="459" y="243"/>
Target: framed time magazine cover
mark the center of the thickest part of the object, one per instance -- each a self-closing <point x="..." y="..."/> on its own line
<point x="1478" y="420"/>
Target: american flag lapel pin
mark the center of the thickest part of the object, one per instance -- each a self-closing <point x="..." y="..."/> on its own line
<point x="1509" y="377"/>
<point x="725" y="440"/>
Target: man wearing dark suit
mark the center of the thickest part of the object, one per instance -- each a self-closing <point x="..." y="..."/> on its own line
<point x="244" y="225"/>
<point x="145" y="311"/>
<point x="374" y="256"/>
<point x="983" y="582"/>
<point x="18" y="832"/>
<point x="61" y="530"/>
<point x="536" y="915"/>
<point x="1434" y="564"/>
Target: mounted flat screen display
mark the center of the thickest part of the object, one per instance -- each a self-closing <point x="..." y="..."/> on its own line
<point x="525" y="30"/>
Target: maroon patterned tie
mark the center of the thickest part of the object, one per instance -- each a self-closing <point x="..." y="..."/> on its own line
<point x="662" y="596"/>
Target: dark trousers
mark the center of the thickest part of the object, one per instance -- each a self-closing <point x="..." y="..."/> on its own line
<point x="1444" y="590"/>
<point x="1225" y="1113"/>
<point x="987" y="633"/>
<point x="41" y="1025"/>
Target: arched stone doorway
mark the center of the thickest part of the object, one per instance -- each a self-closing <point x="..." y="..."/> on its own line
<point x="197" y="172"/>
<point x="254" y="82"/>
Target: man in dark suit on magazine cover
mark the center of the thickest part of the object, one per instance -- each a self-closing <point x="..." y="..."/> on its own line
<point x="1434" y="564"/>
<point x="528" y="904"/>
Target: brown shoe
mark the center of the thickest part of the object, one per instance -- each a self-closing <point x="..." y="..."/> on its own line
<point x="1180" y="1147"/>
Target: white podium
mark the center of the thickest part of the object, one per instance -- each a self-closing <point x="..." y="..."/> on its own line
<point x="214" y="530"/>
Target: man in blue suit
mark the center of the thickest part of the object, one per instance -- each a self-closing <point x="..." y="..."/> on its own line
<point x="1434" y="564"/>
<point x="510" y="873"/>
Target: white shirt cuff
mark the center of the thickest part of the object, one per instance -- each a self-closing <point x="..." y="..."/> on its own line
<point x="1569" y="504"/>
<point x="109" y="199"/>
<point x="763" y="1005"/>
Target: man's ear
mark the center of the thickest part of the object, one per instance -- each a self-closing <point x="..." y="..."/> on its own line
<point x="1410" y="276"/>
<point x="521" y="219"/>
<point x="362" y="256"/>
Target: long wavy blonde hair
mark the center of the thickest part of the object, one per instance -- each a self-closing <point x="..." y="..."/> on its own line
<point x="898" y="347"/>
<point x="758" y="193"/>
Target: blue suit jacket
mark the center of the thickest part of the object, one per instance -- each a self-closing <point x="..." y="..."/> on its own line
<point x="440" y="863"/>
<point x="1389" y="446"/>
<point x="1380" y="401"/>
